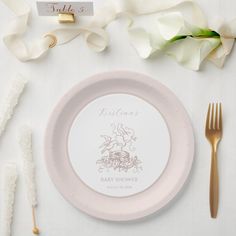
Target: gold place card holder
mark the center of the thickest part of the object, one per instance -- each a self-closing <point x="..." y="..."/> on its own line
<point x="66" y="18"/>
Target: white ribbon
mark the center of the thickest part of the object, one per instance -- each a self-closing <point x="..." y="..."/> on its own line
<point x="96" y="37"/>
<point x="146" y="41"/>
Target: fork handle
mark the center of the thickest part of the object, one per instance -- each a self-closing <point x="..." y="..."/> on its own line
<point x="214" y="184"/>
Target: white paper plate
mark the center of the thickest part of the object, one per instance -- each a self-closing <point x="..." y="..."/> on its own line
<point x="119" y="146"/>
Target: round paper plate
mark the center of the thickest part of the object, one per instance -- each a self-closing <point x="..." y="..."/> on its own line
<point x="119" y="146"/>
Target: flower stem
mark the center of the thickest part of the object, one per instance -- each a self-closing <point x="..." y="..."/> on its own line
<point x="206" y="33"/>
<point x="201" y="33"/>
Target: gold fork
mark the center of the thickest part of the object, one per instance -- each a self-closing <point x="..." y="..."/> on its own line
<point x="213" y="132"/>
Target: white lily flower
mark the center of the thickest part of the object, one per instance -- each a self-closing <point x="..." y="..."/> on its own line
<point x="148" y="41"/>
<point x="189" y="45"/>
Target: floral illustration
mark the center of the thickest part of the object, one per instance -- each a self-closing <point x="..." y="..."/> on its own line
<point x="118" y="151"/>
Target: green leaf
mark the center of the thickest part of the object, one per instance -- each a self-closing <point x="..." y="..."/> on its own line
<point x="199" y="33"/>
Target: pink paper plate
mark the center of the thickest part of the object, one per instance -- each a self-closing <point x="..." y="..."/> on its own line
<point x="164" y="188"/>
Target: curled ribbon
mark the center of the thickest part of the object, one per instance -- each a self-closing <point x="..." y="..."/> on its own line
<point x="168" y="31"/>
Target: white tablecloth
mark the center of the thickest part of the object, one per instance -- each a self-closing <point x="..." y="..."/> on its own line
<point x="51" y="76"/>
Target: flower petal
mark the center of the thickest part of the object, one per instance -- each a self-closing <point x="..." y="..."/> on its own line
<point x="140" y="39"/>
<point x="219" y="55"/>
<point x="227" y="32"/>
<point x="172" y="24"/>
<point x="190" y="52"/>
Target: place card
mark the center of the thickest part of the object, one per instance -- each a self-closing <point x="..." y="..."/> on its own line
<point x="53" y="8"/>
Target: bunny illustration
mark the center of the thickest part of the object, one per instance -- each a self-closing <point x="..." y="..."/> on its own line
<point x="116" y="150"/>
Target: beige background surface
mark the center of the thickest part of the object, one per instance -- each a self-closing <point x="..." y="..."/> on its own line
<point x="65" y="66"/>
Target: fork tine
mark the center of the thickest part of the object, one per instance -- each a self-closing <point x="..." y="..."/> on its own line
<point x="212" y="116"/>
<point x="220" y="118"/>
<point x="208" y="117"/>
<point x="217" y="117"/>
